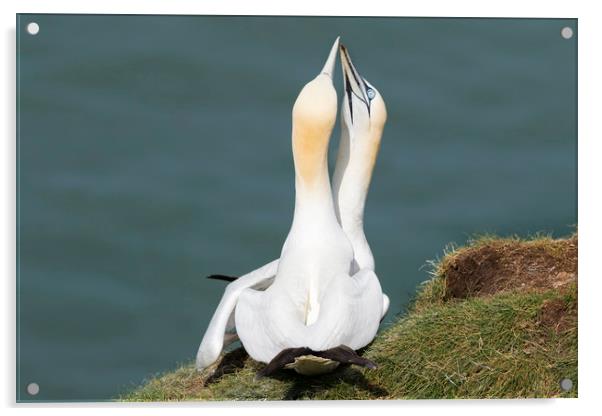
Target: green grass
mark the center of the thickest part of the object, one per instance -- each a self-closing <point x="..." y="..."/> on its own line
<point x="498" y="346"/>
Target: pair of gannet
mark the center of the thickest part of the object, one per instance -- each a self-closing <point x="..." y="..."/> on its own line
<point x="312" y="308"/>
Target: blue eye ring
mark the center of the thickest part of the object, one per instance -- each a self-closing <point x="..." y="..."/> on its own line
<point x="371" y="93"/>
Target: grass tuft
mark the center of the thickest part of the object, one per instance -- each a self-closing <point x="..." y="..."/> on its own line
<point x="512" y="342"/>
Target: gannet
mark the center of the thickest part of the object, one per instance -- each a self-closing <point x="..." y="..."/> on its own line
<point x="363" y="118"/>
<point x="315" y="308"/>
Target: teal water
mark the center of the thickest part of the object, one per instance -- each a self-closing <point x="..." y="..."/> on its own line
<point x="154" y="150"/>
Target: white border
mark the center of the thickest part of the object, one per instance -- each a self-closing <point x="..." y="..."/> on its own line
<point x="590" y="68"/>
<point x="308" y="7"/>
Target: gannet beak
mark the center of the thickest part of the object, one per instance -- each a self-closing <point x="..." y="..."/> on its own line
<point x="354" y="83"/>
<point x="330" y="62"/>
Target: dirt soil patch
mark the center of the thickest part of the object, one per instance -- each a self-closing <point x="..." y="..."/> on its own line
<point x="557" y="315"/>
<point x="500" y="265"/>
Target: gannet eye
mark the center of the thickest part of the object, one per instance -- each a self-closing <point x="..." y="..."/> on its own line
<point x="370" y="93"/>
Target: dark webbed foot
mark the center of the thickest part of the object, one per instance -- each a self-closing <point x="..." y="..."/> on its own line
<point x="341" y="354"/>
<point x="345" y="355"/>
<point x="283" y="358"/>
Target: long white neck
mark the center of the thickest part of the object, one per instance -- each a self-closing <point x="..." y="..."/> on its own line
<point x="314" y="115"/>
<point x="313" y="194"/>
<point x="351" y="182"/>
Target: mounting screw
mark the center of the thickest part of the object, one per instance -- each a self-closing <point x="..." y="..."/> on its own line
<point x="33" y="389"/>
<point x="566" y="32"/>
<point x="566" y="384"/>
<point x="33" y="28"/>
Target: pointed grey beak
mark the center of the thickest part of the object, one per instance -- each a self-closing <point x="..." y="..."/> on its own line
<point x="330" y="62"/>
<point x="354" y="83"/>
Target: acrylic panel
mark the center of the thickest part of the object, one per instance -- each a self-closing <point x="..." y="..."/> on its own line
<point x="154" y="151"/>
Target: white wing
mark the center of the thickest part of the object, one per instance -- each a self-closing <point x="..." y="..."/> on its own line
<point x="222" y="321"/>
<point x="386" y="303"/>
<point x="350" y="311"/>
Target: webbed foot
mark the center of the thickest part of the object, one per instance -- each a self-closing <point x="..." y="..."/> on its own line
<point x="323" y="363"/>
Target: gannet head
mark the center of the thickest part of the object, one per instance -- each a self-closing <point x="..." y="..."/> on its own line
<point x="363" y="117"/>
<point x="363" y="111"/>
<point x="314" y="115"/>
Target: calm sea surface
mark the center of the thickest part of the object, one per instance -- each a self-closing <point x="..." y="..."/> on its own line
<point x="155" y="150"/>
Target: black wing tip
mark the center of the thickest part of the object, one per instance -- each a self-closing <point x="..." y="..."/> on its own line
<point x="222" y="277"/>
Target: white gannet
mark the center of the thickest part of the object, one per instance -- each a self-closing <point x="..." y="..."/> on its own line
<point x="363" y="118"/>
<point x="315" y="309"/>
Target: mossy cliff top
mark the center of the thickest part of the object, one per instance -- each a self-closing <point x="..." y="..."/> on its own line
<point x="498" y="319"/>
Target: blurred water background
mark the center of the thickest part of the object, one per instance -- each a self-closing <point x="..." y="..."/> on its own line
<point x="154" y="150"/>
